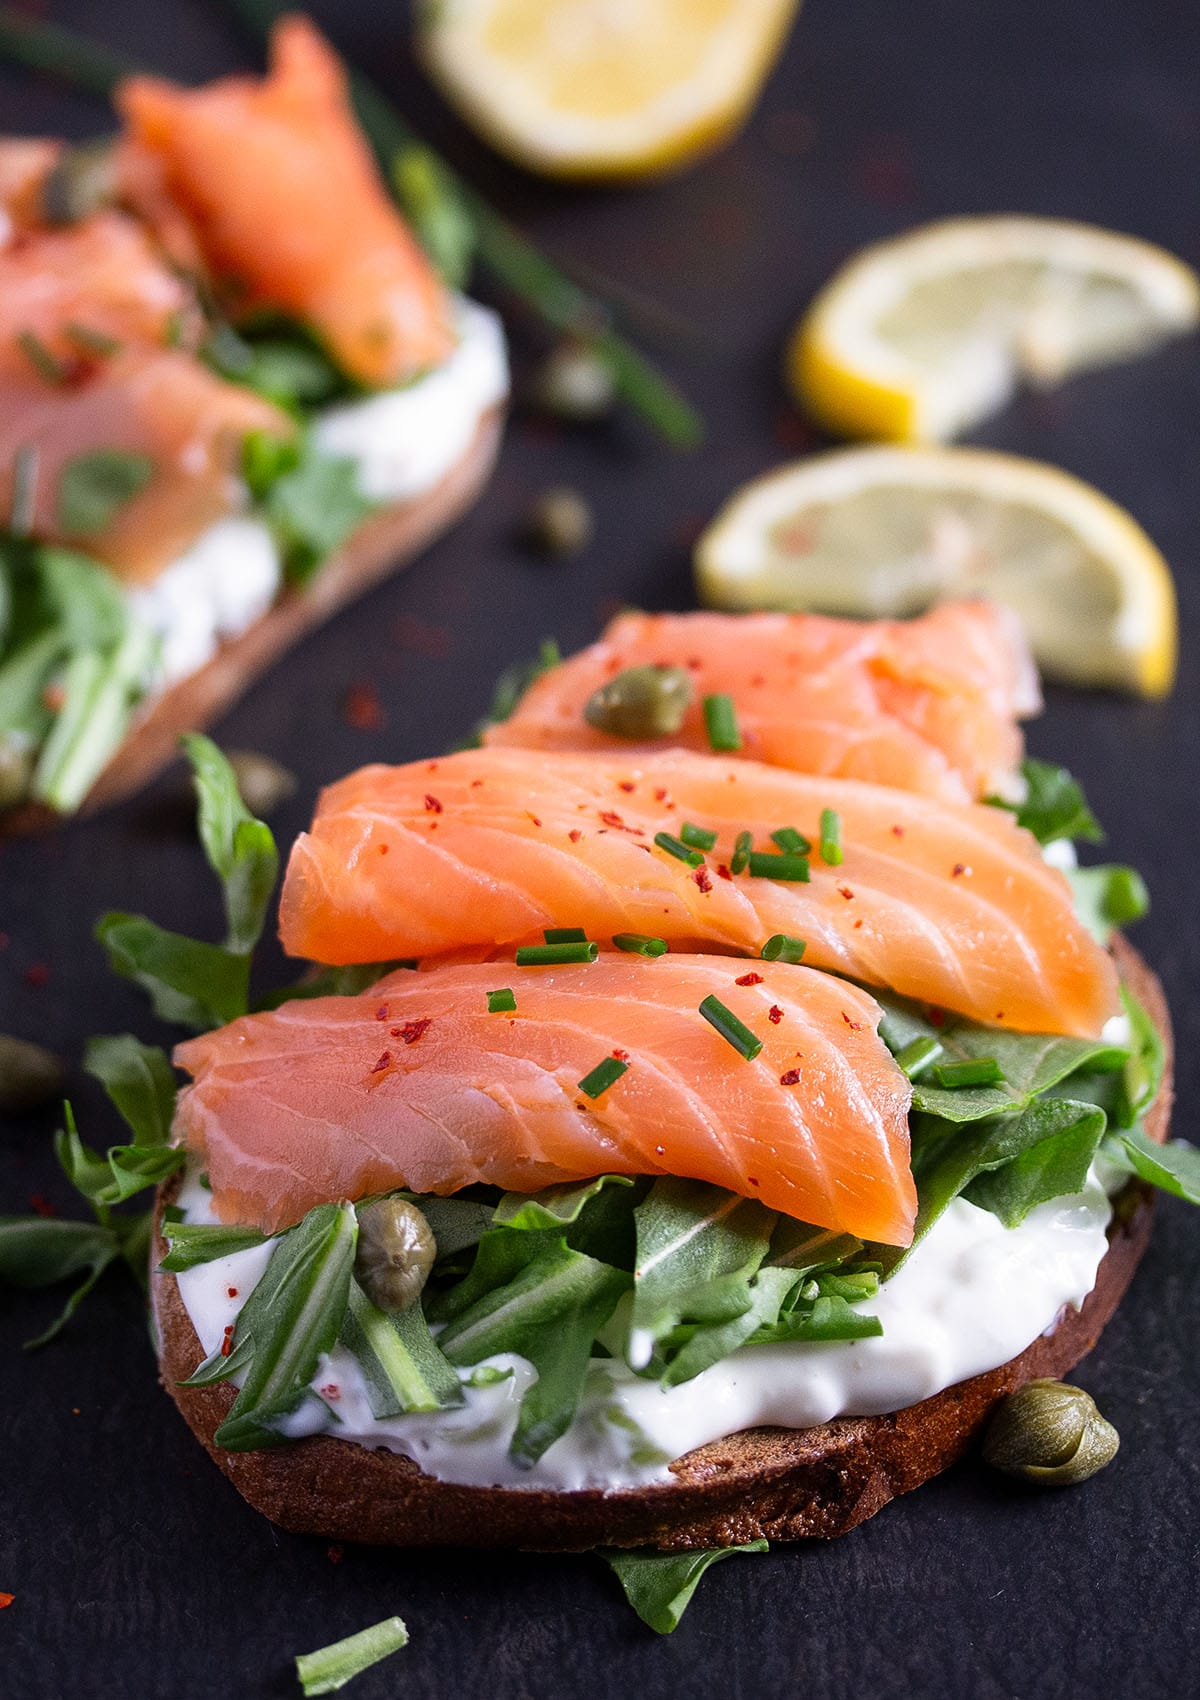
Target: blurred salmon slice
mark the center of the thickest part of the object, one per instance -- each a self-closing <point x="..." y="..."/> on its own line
<point x="415" y="1084"/>
<point x="160" y="403"/>
<point x="951" y="903"/>
<point x="926" y="705"/>
<point x="289" y="209"/>
<point x="25" y="163"/>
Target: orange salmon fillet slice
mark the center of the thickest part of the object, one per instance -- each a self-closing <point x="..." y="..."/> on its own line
<point x="415" y="1084"/>
<point x="289" y="209"/>
<point x="950" y="903"/>
<point x="926" y="705"/>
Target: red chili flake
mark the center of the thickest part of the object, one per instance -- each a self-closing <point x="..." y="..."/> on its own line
<point x="621" y="1056"/>
<point x="42" y="1205"/>
<point x="384" y="848"/>
<point x="775" y="1015"/>
<point x="702" y="879"/>
<point x="335" y="1552"/>
<point x="53" y="698"/>
<point x="999" y="1015"/>
<point x="422" y="639"/>
<point x="855" y="1026"/>
<point x="432" y="806"/>
<point x="791" y="1078"/>
<point x="36" y="976"/>
<point x="384" y="1062"/>
<point x="627" y="785"/>
<point x="381" y="1014"/>
<point x="331" y="1390"/>
<point x="432" y="766"/>
<point x="844" y="891"/>
<point x="610" y="817"/>
<point x="534" y="818"/>
<point x="660" y="794"/>
<point x="475" y="784"/>
<point x="750" y="979"/>
<point x="362" y="709"/>
<point x="227" y="1339"/>
<point x="6" y="1600"/>
<point x="757" y="681"/>
<point x="897" y="832"/>
<point x="574" y="835"/>
<point x="413" y="1030"/>
<point x="752" y="1180"/>
<point x="858" y="923"/>
<point x="936" y="1016"/>
<point x="694" y="663"/>
<point x="723" y="872"/>
<point x="232" y="1291"/>
<point x="959" y="869"/>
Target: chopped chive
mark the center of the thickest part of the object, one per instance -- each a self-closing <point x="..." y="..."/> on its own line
<point x="918" y="1055"/>
<point x="44" y="363"/>
<point x="791" y="842"/>
<point x="735" y="1032"/>
<point x="332" y="1667"/>
<point x="742" y="846"/>
<point x="697" y="837"/>
<point x="564" y="935"/>
<point x="831" y="837"/>
<point x="673" y="847"/>
<point x="782" y="947"/>
<point x="24" y="490"/>
<point x="547" y="955"/>
<point x="500" y="1002"/>
<point x="974" y="1071"/>
<point x="603" y="1076"/>
<point x="766" y="865"/>
<point x="92" y="341"/>
<point x="640" y="944"/>
<point x="720" y="722"/>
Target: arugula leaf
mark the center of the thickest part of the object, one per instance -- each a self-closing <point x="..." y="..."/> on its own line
<point x="697" y="1247"/>
<point x="240" y="850"/>
<point x="694" y="1349"/>
<point x="140" y="1082"/>
<point x="511" y="687"/>
<point x="1108" y="896"/>
<point x="533" y="1295"/>
<point x="802" y="1248"/>
<point x="39" y="1251"/>
<point x="84" y="599"/>
<point x="194" y="1243"/>
<point x="195" y="984"/>
<point x="1173" y="1168"/>
<point x="122" y="1172"/>
<point x="293" y="1315"/>
<point x="332" y="1667"/>
<point x="94" y="487"/>
<point x="830" y="1316"/>
<point x="312" y="504"/>
<point x="659" y="1585"/>
<point x="1054" y="807"/>
<point x="554" y="1206"/>
<point x="1055" y="1167"/>
<point x="1143" y="1072"/>
<point x="344" y="982"/>
<point x="439" y="216"/>
<point x="100" y="689"/>
<point x="403" y="1368"/>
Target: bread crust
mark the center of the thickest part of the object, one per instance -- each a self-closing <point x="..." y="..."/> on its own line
<point x="781" y="1484"/>
<point x="385" y="542"/>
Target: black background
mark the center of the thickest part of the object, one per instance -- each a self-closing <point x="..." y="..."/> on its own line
<point x="137" y="1570"/>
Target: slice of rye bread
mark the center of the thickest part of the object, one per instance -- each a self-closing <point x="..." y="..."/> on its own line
<point x="772" y="1482"/>
<point x="386" y="541"/>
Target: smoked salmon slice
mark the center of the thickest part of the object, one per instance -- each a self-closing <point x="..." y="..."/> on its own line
<point x="289" y="210"/>
<point x="951" y="903"/>
<point x="927" y="705"/>
<point x="25" y="163"/>
<point x="415" y="1084"/>
<point x="158" y="403"/>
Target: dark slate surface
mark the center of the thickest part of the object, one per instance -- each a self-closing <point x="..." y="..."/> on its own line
<point x="137" y="1571"/>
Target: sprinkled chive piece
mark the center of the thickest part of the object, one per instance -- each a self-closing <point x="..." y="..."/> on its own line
<point x="742" y="846"/>
<point x="332" y="1667"/>
<point x="500" y="1002"/>
<point x="547" y="955"/>
<point x="974" y="1071"/>
<point x="918" y="1055"/>
<point x="791" y="842"/>
<point x="831" y="837"/>
<point x="44" y="363"/>
<point x="782" y="947"/>
<point x="640" y="944"/>
<point x="666" y="841"/>
<point x="766" y="865"/>
<point x="720" y="722"/>
<point x="732" y="1030"/>
<point x="92" y="341"/>
<point x="697" y="837"/>
<point x="603" y="1076"/>
<point x="564" y="935"/>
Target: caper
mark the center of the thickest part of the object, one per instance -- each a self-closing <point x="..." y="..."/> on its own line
<point x="82" y="180"/>
<point x="559" y="523"/>
<point x="396" y="1251"/>
<point x="573" y="383"/>
<point x="642" y="702"/>
<point x="30" y="1075"/>
<point x="263" y="782"/>
<point x="1051" y="1434"/>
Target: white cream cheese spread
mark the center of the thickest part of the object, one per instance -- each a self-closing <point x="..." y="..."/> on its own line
<point x="972" y="1295"/>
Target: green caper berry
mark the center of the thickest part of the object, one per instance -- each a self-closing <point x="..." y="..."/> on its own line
<point x="560" y="523"/>
<point x="1050" y="1434"/>
<point x="30" y="1075"/>
<point x="396" y="1251"/>
<point x="82" y="180"/>
<point x="642" y="702"/>
<point x="573" y="383"/>
<point x="263" y="782"/>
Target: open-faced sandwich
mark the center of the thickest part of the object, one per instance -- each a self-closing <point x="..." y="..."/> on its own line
<point x="236" y="393"/>
<point x="726" y="1099"/>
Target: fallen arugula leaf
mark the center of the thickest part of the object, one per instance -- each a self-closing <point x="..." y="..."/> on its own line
<point x="94" y="487"/>
<point x="39" y="1251"/>
<point x="659" y="1585"/>
<point x="1173" y="1167"/>
<point x="139" y="1081"/>
<point x="1054" y="806"/>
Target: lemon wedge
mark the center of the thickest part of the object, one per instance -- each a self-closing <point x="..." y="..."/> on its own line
<point x="884" y="532"/>
<point x="603" y="88"/>
<point x="919" y="338"/>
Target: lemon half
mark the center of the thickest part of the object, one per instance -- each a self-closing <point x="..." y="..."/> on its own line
<point x="884" y="532"/>
<point x="918" y="338"/>
<point x="604" y="88"/>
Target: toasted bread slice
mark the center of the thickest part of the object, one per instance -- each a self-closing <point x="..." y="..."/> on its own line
<point x="779" y="1483"/>
<point x="379" y="547"/>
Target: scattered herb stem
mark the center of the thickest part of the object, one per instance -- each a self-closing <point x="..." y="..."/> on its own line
<point x="727" y="1024"/>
